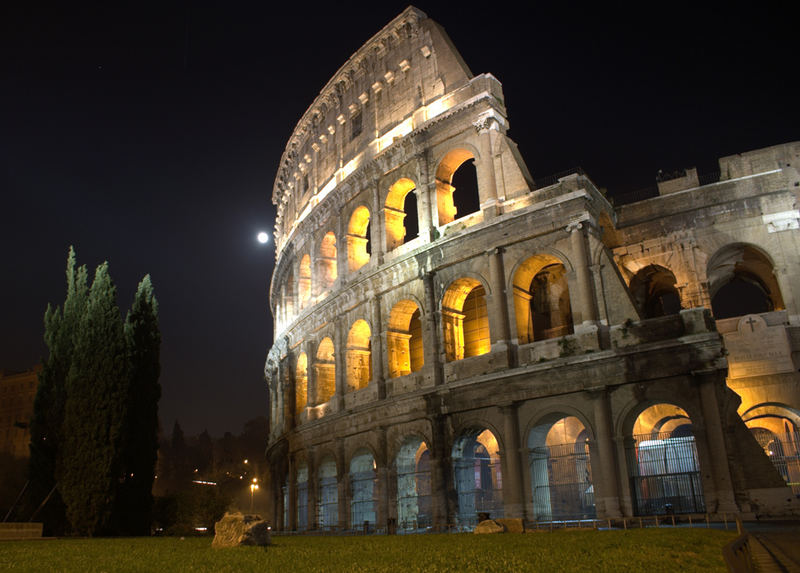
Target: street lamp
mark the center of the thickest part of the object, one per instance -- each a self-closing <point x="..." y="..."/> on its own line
<point x="253" y="488"/>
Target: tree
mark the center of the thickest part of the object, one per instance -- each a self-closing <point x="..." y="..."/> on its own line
<point x="95" y="411"/>
<point x="139" y="448"/>
<point x="48" y="412"/>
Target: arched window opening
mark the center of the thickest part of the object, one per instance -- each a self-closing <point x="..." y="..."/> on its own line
<point x="327" y="261"/>
<point x="362" y="486"/>
<point x="400" y="214"/>
<point x="328" y="497"/>
<point x="663" y="466"/>
<point x="465" y="320"/>
<point x="478" y="478"/>
<point x="304" y="283"/>
<point x="561" y="470"/>
<point x="654" y="292"/>
<point x="302" y="496"/>
<point x="325" y="371"/>
<point x="404" y="339"/>
<point x="359" y="354"/>
<point x="778" y="435"/>
<point x="358" y="250"/>
<point x="413" y="486"/>
<point x="741" y="281"/>
<point x="301" y="384"/>
<point x="456" y="186"/>
<point x="541" y="299"/>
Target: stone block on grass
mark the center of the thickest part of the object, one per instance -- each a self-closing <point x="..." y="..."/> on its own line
<point x="489" y="526"/>
<point x="235" y="529"/>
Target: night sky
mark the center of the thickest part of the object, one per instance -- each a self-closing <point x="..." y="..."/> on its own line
<point x="149" y="135"/>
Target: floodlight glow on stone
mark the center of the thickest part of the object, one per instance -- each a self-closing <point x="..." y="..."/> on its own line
<point x="263" y="237"/>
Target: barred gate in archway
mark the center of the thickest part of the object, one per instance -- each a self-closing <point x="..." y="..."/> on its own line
<point x="562" y="482"/>
<point x="784" y="453"/>
<point x="665" y="474"/>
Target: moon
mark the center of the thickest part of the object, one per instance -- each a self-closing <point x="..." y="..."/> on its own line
<point x="263" y="237"/>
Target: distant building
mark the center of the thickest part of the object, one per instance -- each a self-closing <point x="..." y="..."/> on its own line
<point x="537" y="352"/>
<point x="17" y="393"/>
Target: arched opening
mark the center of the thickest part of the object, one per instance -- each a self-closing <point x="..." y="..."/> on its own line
<point x="775" y="428"/>
<point x="328" y="498"/>
<point x="465" y="320"/>
<point x="561" y="470"/>
<point x="358" y="239"/>
<point x="359" y="353"/>
<point x="663" y="467"/>
<point x="404" y="339"/>
<point x="456" y="186"/>
<point x="327" y="261"/>
<point x="741" y="281"/>
<point x="301" y="384"/>
<point x="304" y="283"/>
<point x="541" y="299"/>
<point x="400" y="214"/>
<point x="362" y="488"/>
<point x="478" y="478"/>
<point x="654" y="292"/>
<point x="413" y="485"/>
<point x="325" y="371"/>
<point x="302" y="496"/>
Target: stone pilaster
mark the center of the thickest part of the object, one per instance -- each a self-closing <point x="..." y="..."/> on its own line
<point x="587" y="307"/>
<point x="512" y="471"/>
<point x="432" y="330"/>
<point x="376" y="340"/>
<point x="606" y="488"/>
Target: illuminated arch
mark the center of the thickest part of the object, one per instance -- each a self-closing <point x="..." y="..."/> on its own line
<point x="359" y="354"/>
<point x="404" y="339"/>
<point x="541" y="299"/>
<point x="663" y="465"/>
<point x="465" y="320"/>
<point x="478" y="477"/>
<point x="397" y="210"/>
<point x="560" y="469"/>
<point x="301" y="383"/>
<point x="654" y="292"/>
<point x="358" y="250"/>
<point x="326" y="263"/>
<point x="446" y="205"/>
<point x="741" y="281"/>
<point x="304" y="281"/>
<point x="325" y="367"/>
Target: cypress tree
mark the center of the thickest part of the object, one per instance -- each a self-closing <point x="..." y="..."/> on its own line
<point x="48" y="412"/>
<point x="140" y="440"/>
<point x="94" y="411"/>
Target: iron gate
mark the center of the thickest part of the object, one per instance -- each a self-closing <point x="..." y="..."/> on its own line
<point x="562" y="482"/>
<point x="665" y="475"/>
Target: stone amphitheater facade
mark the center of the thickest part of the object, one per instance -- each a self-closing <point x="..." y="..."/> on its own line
<point x="536" y="353"/>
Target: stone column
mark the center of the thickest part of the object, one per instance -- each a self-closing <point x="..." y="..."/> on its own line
<point x="287" y="381"/>
<point x="311" y="375"/>
<point x="292" y="485"/>
<point x="606" y="488"/>
<point x="499" y="327"/>
<point x="432" y="327"/>
<point x="342" y="268"/>
<point x="718" y="452"/>
<point x="342" y="482"/>
<point x="443" y="496"/>
<point x="487" y="180"/>
<point x="424" y="200"/>
<point x="313" y="490"/>
<point x="512" y="477"/>
<point x="340" y="356"/>
<point x="377" y="227"/>
<point x="382" y="470"/>
<point x="376" y="340"/>
<point x="587" y="308"/>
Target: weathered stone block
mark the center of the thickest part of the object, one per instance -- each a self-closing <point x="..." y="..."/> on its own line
<point x="235" y="529"/>
<point x="489" y="526"/>
<point x="512" y="524"/>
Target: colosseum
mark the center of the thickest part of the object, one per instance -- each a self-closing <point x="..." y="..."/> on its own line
<point x="454" y="336"/>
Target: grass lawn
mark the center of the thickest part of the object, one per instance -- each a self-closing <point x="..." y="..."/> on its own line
<point x="648" y="550"/>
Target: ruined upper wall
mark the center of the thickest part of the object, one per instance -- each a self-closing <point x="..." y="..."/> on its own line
<point x="408" y="65"/>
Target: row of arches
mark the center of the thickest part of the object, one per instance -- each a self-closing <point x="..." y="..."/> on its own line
<point x="400" y="225"/>
<point x="541" y="297"/>
<point x="662" y="464"/>
<point x="741" y="280"/>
